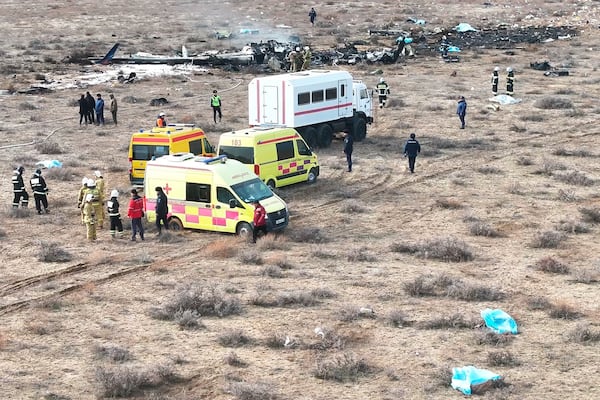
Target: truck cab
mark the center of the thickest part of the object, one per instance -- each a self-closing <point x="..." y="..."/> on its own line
<point x="362" y="100"/>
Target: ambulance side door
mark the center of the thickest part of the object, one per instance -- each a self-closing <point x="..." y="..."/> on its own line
<point x="198" y="207"/>
<point x="288" y="160"/>
<point x="224" y="216"/>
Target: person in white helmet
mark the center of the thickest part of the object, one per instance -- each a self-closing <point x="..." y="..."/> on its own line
<point x="299" y="59"/>
<point x="96" y="202"/>
<point x="382" y="91"/>
<point x="112" y="205"/>
<point x="40" y="191"/>
<point x="89" y="216"/>
<point x="306" y="58"/>
<point x="81" y="199"/>
<point x="510" y="81"/>
<point x="495" y="81"/>
<point x="160" y="121"/>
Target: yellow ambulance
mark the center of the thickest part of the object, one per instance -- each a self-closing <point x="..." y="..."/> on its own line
<point x="156" y="142"/>
<point x="210" y="193"/>
<point x="279" y="156"/>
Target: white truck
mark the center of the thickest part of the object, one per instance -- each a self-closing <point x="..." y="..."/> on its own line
<point x="317" y="103"/>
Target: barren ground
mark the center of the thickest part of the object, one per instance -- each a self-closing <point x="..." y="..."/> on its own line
<point x="517" y="190"/>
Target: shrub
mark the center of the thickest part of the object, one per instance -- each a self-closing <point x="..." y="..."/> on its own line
<point x="114" y="353"/>
<point x="251" y="257"/>
<point x="60" y="174"/>
<point x="280" y="341"/>
<point x="308" y="235"/>
<point x="469" y="292"/>
<point x="586" y="276"/>
<point x="502" y="359"/>
<point x="328" y="339"/>
<point x="583" y="333"/>
<point x="18" y="213"/>
<point x="188" y="319"/>
<point x="479" y="228"/>
<point x="205" y="300"/>
<point x="562" y="310"/>
<point x="538" y="303"/>
<point x="446" y="249"/>
<point x="492" y="338"/>
<point x="273" y="242"/>
<point x="591" y="215"/>
<point x="352" y="313"/>
<point x="572" y="153"/>
<point x="397" y="319"/>
<point x="51" y="252"/>
<point x="361" y="255"/>
<point x="523" y="160"/>
<point x="234" y="360"/>
<point x="488" y="170"/>
<point x="272" y="271"/>
<point x="121" y="382"/>
<point x="548" y="239"/>
<point x="305" y="299"/>
<point x="48" y="147"/>
<point x="455" y="321"/>
<point x="548" y="167"/>
<point x="553" y="103"/>
<point x="443" y="285"/>
<point x="323" y="293"/>
<point x="448" y="204"/>
<point x="575" y="178"/>
<point x="342" y="368"/>
<point x="404" y="248"/>
<point x="567" y="195"/>
<point x="27" y="107"/>
<point x="234" y="338"/>
<point x="551" y="265"/>
<point x="252" y="391"/>
<point x="222" y="248"/>
<point x="352" y="207"/>
<point x="533" y="118"/>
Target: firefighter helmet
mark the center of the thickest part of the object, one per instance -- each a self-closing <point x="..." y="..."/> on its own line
<point x="381" y="80"/>
<point x="509" y="69"/>
<point x="497" y="69"/>
<point x="114" y="193"/>
<point x="98" y="174"/>
<point x="38" y="171"/>
<point x="21" y="169"/>
<point x="91" y="183"/>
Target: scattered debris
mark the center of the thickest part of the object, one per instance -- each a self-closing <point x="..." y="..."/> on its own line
<point x="464" y="27"/>
<point x="161" y="101"/>
<point x="504" y="99"/>
<point x="48" y="164"/>
<point x="540" y="66"/>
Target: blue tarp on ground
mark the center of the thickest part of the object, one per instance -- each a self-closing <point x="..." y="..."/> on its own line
<point x="466" y="377"/>
<point x="499" y="321"/>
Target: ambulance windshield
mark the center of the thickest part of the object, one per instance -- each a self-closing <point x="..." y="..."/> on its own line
<point x="252" y="190"/>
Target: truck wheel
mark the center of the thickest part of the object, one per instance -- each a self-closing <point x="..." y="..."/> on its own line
<point x="325" y="135"/>
<point x="271" y="184"/>
<point x="312" y="176"/>
<point x="175" y="224"/>
<point x="310" y="136"/>
<point x="359" y="129"/>
<point x="244" y="230"/>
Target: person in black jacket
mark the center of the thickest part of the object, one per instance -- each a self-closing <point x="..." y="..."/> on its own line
<point x="21" y="195"/>
<point x="116" y="225"/>
<point x="91" y="106"/>
<point x="162" y="209"/>
<point x="84" y="114"/>
<point x="411" y="149"/>
<point x="40" y="191"/>
<point x="348" y="147"/>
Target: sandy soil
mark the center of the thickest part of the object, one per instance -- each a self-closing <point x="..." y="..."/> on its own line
<point x="520" y="171"/>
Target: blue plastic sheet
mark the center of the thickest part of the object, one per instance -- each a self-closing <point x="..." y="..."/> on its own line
<point x="466" y="377"/>
<point x="49" y="164"/>
<point x="499" y="321"/>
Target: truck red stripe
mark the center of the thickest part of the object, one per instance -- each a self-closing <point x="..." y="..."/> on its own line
<point x="314" y="110"/>
<point x="150" y="140"/>
<point x="278" y="139"/>
<point x="188" y="136"/>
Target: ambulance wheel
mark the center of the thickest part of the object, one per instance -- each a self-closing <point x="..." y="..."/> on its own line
<point x="312" y="176"/>
<point x="244" y="229"/>
<point x="360" y="129"/>
<point x="271" y="184"/>
<point x="310" y="136"/>
<point x="175" y="224"/>
<point x="325" y="135"/>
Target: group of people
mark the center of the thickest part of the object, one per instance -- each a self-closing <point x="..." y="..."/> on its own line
<point x="510" y="81"/>
<point x="91" y="111"/>
<point x="299" y="61"/>
<point x="38" y="186"/>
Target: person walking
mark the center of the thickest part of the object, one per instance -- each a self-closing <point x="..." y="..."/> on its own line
<point x="81" y="198"/>
<point x="461" y="111"/>
<point x="113" y="108"/>
<point x="135" y="211"/>
<point x="89" y="217"/>
<point x="91" y="106"/>
<point x="162" y="209"/>
<point x="100" y="185"/>
<point x="260" y="220"/>
<point x="411" y="149"/>
<point x="348" y="147"/>
<point x="99" y="110"/>
<point x="40" y="191"/>
<point x="96" y="202"/>
<point x="495" y="81"/>
<point x="382" y="91"/>
<point x="20" y="194"/>
<point x="510" y="81"/>
<point x="160" y="121"/>
<point x="312" y="14"/>
<point x="112" y="206"/>
<point x="84" y="114"/>
<point x="215" y="103"/>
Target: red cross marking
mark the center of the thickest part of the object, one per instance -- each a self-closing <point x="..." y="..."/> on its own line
<point x="167" y="188"/>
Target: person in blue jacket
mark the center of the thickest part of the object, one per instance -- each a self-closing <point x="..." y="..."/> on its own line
<point x="411" y="149"/>
<point x="99" y="110"/>
<point x="461" y="111"/>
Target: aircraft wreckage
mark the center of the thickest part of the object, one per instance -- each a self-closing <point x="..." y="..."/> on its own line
<point x="274" y="54"/>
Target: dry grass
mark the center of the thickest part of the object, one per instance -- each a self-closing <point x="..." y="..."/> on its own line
<point x="53" y="252"/>
<point x="234" y="338"/>
<point x="448" y="249"/>
<point x="342" y="368"/>
<point x="446" y="286"/>
<point x="223" y="248"/>
<point x="551" y="265"/>
<point x="455" y="321"/>
<point x="563" y="310"/>
<point x="502" y="359"/>
<point x="252" y="391"/>
<point x="125" y="381"/>
<point x="584" y="333"/>
<point x="548" y="240"/>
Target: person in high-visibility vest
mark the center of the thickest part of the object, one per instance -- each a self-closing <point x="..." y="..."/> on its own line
<point x="382" y="91"/>
<point x="40" y="191"/>
<point x="160" y="121"/>
<point x="215" y="103"/>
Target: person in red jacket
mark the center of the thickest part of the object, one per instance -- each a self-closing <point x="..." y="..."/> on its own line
<point x="136" y="212"/>
<point x="260" y="220"/>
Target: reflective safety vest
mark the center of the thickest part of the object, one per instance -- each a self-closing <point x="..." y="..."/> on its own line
<point x="113" y="207"/>
<point x="17" y="181"/>
<point x="215" y="101"/>
<point x="38" y="184"/>
<point x="95" y="196"/>
<point x="160" y="122"/>
<point x="383" y="89"/>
